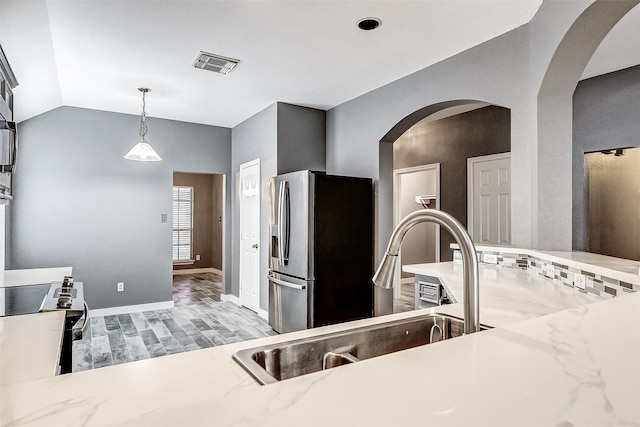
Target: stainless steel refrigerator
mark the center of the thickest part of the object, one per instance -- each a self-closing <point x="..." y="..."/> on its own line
<point x="321" y="251"/>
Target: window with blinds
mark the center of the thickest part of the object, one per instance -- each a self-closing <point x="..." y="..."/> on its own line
<point x="182" y="224"/>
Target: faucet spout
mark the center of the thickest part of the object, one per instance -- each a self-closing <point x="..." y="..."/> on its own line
<point x="384" y="275"/>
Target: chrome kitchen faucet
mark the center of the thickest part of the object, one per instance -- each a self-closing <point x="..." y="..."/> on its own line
<point x="384" y="275"/>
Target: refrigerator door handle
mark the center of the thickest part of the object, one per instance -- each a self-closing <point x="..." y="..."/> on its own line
<point x="287" y="284"/>
<point x="283" y="223"/>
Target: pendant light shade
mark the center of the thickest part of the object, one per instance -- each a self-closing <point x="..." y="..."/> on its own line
<point x="142" y="151"/>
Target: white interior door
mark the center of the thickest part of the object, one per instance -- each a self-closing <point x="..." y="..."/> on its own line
<point x="422" y="244"/>
<point x="489" y="199"/>
<point x="250" y="234"/>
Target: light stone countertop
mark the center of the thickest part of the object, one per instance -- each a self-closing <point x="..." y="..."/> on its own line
<point x="576" y="366"/>
<point x="507" y="295"/>
<point x="30" y="346"/>
<point x="31" y="276"/>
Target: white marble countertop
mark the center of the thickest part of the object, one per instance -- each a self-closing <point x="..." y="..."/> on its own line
<point x="32" y="276"/>
<point x="577" y="366"/>
<point x="507" y="295"/>
<point x="30" y="346"/>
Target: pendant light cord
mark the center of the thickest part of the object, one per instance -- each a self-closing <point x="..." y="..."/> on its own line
<point x="143" y="123"/>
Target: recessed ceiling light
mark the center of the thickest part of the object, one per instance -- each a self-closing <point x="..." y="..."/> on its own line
<point x="368" y="24"/>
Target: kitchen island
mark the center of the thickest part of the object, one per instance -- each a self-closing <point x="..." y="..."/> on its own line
<point x="576" y="366"/>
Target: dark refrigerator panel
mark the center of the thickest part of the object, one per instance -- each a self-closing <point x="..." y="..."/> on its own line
<point x="343" y="230"/>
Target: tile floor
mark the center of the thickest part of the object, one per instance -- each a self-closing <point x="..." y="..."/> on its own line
<point x="406" y="302"/>
<point x="199" y="320"/>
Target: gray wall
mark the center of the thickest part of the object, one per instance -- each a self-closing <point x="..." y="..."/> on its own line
<point x="606" y="114"/>
<point x="450" y="142"/>
<point x="256" y="137"/>
<point x="80" y="203"/>
<point x="301" y="138"/>
<point x="512" y="71"/>
<point x="285" y="138"/>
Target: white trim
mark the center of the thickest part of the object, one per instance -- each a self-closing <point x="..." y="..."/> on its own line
<point x="110" y="311"/>
<point x="234" y="299"/>
<point x="250" y="303"/>
<point x="196" y="270"/>
<point x="471" y="161"/>
<point x="231" y="298"/>
<point x="396" y="209"/>
<point x="264" y="314"/>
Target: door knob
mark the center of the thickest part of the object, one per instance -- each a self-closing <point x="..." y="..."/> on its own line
<point x="254" y="246"/>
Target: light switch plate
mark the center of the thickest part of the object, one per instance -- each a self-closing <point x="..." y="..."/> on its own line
<point x="120" y="286"/>
<point x="580" y="281"/>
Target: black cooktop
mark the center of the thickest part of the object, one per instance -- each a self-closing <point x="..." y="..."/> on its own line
<point x="22" y="299"/>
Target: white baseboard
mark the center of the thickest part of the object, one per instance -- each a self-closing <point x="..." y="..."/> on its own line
<point x="264" y="314"/>
<point x="196" y="270"/>
<point x="230" y="297"/>
<point x="110" y="311"/>
<point x="234" y="299"/>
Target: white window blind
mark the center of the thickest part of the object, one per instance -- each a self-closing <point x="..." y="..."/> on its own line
<point x="182" y="224"/>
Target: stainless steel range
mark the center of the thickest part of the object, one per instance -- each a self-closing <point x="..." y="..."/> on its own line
<point x="64" y="295"/>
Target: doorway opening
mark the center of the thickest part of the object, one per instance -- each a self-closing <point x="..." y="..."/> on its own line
<point x="451" y="133"/>
<point x="612" y="179"/>
<point x="197" y="236"/>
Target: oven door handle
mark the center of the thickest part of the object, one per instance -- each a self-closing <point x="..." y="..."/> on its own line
<point x="79" y="331"/>
<point x="13" y="146"/>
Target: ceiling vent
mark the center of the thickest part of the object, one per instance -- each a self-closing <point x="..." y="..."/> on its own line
<point x="215" y="63"/>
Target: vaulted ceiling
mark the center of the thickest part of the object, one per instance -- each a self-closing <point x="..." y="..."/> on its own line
<point x="95" y="54"/>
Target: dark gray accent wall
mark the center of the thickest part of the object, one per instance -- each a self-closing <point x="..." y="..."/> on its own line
<point x="79" y="203"/>
<point x="301" y="138"/>
<point x="450" y="142"/>
<point x="606" y="114"/>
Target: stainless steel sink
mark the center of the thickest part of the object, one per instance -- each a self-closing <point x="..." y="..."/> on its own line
<point x="276" y="362"/>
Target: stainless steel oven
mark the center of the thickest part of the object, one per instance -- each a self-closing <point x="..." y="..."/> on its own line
<point x="8" y="157"/>
<point x="59" y="295"/>
<point x="8" y="130"/>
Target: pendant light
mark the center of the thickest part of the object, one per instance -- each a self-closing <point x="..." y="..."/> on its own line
<point x="142" y="151"/>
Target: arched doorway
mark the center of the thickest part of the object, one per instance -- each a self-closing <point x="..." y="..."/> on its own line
<point x="450" y="134"/>
<point x="553" y="201"/>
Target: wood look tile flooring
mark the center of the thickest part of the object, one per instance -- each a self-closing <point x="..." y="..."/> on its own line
<point x="406" y="302"/>
<point x="198" y="320"/>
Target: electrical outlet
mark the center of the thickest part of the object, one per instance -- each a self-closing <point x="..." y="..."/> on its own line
<point x="549" y="270"/>
<point x="580" y="281"/>
<point x="120" y="286"/>
<point x="489" y="258"/>
<point x="197" y="257"/>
